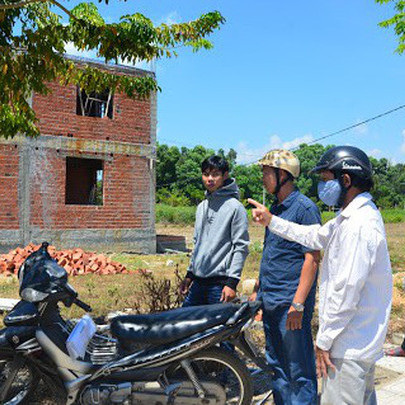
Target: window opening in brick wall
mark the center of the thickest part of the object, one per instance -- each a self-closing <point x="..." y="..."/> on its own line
<point x="94" y="104"/>
<point x="84" y="181"/>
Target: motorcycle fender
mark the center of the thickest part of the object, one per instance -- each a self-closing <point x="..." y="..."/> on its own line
<point x="14" y="336"/>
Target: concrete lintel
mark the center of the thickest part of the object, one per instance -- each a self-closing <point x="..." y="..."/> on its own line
<point x="65" y="143"/>
<point x="105" y="240"/>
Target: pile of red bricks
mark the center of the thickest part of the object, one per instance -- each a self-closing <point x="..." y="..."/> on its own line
<point x="75" y="261"/>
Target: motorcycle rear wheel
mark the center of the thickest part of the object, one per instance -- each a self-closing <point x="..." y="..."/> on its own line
<point x="223" y="367"/>
<point x="23" y="384"/>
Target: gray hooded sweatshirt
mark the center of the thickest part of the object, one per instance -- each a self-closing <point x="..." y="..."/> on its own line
<point x="221" y="237"/>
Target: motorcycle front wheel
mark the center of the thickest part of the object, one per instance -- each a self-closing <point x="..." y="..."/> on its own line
<point x="22" y="385"/>
<point x="221" y="374"/>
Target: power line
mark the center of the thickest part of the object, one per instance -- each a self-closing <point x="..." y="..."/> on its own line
<point x="355" y="125"/>
<point x="340" y="130"/>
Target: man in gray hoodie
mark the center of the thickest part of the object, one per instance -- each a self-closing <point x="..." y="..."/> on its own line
<point x="221" y="239"/>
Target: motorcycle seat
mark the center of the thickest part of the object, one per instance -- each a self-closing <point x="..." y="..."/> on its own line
<point x="168" y="326"/>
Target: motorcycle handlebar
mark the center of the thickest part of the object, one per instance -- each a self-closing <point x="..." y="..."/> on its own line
<point x="82" y="305"/>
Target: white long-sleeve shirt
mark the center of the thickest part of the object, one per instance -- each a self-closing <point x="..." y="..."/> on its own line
<point x="355" y="291"/>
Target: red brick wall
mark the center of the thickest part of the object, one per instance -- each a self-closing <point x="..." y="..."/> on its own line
<point x="9" y="187"/>
<point x="57" y="116"/>
<point x="126" y="195"/>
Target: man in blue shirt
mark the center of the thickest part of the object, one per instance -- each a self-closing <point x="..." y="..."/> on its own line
<point x="287" y="286"/>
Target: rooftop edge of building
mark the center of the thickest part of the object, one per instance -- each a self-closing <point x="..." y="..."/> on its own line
<point x="116" y="67"/>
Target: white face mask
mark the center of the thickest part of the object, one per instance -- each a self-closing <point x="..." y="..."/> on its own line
<point x="329" y="192"/>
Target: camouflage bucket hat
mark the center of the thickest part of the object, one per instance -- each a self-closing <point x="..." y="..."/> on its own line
<point x="282" y="159"/>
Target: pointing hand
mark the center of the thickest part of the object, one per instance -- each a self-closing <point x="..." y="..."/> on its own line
<point x="261" y="214"/>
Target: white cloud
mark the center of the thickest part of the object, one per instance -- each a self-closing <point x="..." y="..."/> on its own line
<point x="403" y="141"/>
<point x="374" y="152"/>
<point x="297" y="142"/>
<point x="172" y="18"/>
<point x="70" y="49"/>
<point x="247" y="154"/>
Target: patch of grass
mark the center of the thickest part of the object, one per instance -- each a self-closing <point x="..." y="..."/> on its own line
<point x="393" y="216"/>
<point x="255" y="247"/>
<point x="390" y="216"/>
<point x="396" y="245"/>
<point x="8" y="287"/>
<point x="131" y="262"/>
<point x="175" y="215"/>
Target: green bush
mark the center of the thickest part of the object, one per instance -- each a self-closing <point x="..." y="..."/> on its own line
<point x="173" y="198"/>
<point x="393" y="215"/>
<point x="175" y="215"/>
<point x="327" y="216"/>
<point x="389" y="215"/>
<point x="186" y="215"/>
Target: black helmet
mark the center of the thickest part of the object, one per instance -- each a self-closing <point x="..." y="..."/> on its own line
<point x="348" y="159"/>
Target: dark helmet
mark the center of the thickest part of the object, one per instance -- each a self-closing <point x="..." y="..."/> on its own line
<point x="348" y="159"/>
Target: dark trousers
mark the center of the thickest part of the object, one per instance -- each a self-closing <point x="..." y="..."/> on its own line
<point x="291" y="356"/>
<point x="203" y="294"/>
<point x="206" y="294"/>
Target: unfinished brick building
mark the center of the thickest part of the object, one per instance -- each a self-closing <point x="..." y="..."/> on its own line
<point x="89" y="179"/>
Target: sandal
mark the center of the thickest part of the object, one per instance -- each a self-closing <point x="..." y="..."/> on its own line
<point x="396" y="352"/>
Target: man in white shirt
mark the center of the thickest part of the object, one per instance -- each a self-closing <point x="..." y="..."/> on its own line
<point x="356" y="281"/>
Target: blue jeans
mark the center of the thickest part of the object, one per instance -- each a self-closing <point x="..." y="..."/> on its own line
<point x="290" y="353"/>
<point x="206" y="294"/>
<point x="203" y="294"/>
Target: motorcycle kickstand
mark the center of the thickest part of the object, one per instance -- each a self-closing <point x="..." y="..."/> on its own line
<point x="16" y="364"/>
<point x="192" y="376"/>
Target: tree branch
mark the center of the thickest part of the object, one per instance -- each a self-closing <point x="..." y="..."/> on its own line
<point x="63" y="8"/>
<point x="20" y="4"/>
<point x="24" y="3"/>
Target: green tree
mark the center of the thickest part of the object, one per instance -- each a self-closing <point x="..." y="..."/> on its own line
<point x="167" y="158"/>
<point x="249" y="180"/>
<point x="309" y="155"/>
<point x="397" y="21"/>
<point x="389" y="183"/>
<point x="178" y="173"/>
<point x="33" y="39"/>
<point x="189" y="172"/>
<point x="179" y="176"/>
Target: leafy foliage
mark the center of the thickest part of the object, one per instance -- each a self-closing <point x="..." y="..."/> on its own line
<point x="179" y="177"/>
<point x="33" y="39"/>
<point x="178" y="173"/>
<point x="397" y="21"/>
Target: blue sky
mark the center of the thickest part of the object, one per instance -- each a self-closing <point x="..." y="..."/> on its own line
<point x="281" y="73"/>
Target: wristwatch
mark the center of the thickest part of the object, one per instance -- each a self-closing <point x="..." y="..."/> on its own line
<point x="298" y="306"/>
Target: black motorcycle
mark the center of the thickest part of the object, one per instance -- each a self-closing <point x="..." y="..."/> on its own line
<point x="171" y="357"/>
